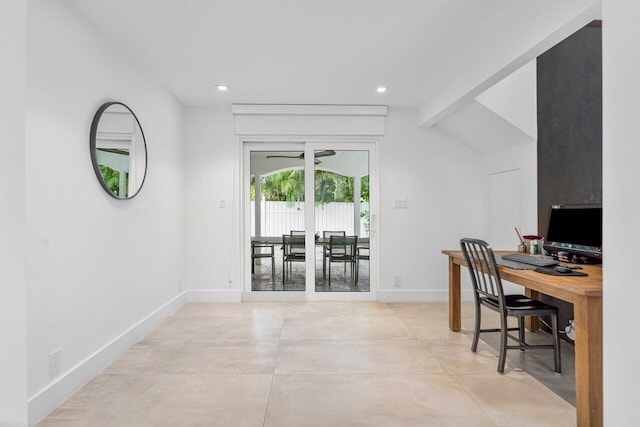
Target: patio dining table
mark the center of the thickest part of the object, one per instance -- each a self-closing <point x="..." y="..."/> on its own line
<point x="319" y="241"/>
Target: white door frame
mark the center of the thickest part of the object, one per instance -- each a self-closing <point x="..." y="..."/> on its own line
<point x="308" y="145"/>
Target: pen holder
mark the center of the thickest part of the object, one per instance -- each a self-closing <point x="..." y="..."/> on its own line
<point x="537" y="245"/>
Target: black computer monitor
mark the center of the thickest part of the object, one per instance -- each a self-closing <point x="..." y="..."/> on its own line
<point x="575" y="233"/>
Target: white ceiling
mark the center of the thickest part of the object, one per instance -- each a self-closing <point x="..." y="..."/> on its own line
<point x="324" y="51"/>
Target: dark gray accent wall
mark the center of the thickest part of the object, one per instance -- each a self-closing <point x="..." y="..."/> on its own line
<point x="570" y="123"/>
<point x="569" y="85"/>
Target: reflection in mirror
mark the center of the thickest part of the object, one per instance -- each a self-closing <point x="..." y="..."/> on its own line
<point x="118" y="150"/>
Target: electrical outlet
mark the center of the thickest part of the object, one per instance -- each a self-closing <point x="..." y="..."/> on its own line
<point x="55" y="360"/>
<point x="222" y="203"/>
<point x="397" y="281"/>
<point x="570" y="330"/>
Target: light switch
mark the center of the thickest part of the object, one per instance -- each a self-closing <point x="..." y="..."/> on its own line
<point x="400" y="203"/>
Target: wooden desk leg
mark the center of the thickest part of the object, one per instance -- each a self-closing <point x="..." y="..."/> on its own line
<point x="588" y="350"/>
<point x="454" y="296"/>
<point x="532" y="323"/>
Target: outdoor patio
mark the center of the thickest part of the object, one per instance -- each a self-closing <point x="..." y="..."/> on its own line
<point x="341" y="279"/>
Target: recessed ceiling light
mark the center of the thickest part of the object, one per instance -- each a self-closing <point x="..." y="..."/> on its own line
<point x="381" y="89"/>
<point x="222" y="88"/>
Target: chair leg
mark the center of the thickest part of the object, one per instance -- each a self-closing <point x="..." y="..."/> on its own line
<point x="503" y="344"/>
<point x="556" y="342"/>
<point x="324" y="264"/>
<point x="355" y="281"/>
<point x="329" y="271"/>
<point x="521" y="330"/>
<point x="273" y="271"/>
<point x="353" y="277"/>
<point x="476" y="331"/>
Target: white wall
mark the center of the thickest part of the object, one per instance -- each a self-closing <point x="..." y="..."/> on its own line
<point x="13" y="320"/>
<point x="515" y="99"/>
<point x="502" y="125"/>
<point x="212" y="232"/>
<point x="520" y="206"/>
<point x="439" y="177"/>
<point x="95" y="266"/>
<point x="522" y="158"/>
<point x="621" y="222"/>
<point x="435" y="172"/>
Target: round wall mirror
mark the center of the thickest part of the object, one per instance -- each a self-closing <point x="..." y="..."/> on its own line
<point x="118" y="150"/>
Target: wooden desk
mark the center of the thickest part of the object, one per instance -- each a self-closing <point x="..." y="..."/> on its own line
<point x="586" y="295"/>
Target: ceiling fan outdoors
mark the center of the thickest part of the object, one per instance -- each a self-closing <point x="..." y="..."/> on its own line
<point x="323" y="153"/>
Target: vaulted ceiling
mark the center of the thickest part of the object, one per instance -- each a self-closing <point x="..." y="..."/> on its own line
<point x="428" y="53"/>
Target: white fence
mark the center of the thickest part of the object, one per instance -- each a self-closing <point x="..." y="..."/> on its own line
<point x="280" y="218"/>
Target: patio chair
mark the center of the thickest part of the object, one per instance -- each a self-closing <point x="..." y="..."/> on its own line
<point x="342" y="249"/>
<point x="301" y="234"/>
<point x="325" y="248"/>
<point x="292" y="251"/>
<point x="362" y="252"/>
<point x="260" y="250"/>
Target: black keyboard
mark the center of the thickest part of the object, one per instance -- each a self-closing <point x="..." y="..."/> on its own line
<point x="537" y="260"/>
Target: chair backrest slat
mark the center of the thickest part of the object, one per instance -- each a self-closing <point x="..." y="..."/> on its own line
<point x="481" y="263"/>
<point x="343" y="245"/>
<point x="292" y="244"/>
<point x="328" y="233"/>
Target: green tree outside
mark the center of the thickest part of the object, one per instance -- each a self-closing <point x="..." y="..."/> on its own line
<point x="288" y="186"/>
<point x="111" y="178"/>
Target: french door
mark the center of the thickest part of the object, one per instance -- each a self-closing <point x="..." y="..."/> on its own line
<point x="309" y="219"/>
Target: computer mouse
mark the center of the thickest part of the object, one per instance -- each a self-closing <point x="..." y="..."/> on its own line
<point x="561" y="269"/>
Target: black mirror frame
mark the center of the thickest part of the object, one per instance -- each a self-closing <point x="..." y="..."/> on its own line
<point x="94" y="156"/>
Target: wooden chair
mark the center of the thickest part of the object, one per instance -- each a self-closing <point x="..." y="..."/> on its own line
<point x="488" y="292"/>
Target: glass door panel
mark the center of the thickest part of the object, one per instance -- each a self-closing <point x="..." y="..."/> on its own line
<point x="341" y="216"/>
<point x="277" y="220"/>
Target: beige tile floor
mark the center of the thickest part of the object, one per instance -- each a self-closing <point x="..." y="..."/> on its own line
<point x="322" y="364"/>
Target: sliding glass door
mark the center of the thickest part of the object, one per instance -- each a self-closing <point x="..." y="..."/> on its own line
<point x="341" y="199"/>
<point x="277" y="220"/>
<point x="308" y="217"/>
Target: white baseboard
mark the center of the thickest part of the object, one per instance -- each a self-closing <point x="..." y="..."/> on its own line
<point x="420" y="296"/>
<point x="214" y="296"/>
<point x="46" y="400"/>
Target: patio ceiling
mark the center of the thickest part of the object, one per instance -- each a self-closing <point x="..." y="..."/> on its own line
<point x="348" y="162"/>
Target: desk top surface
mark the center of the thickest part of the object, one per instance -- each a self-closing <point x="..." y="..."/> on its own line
<point x="564" y="287"/>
